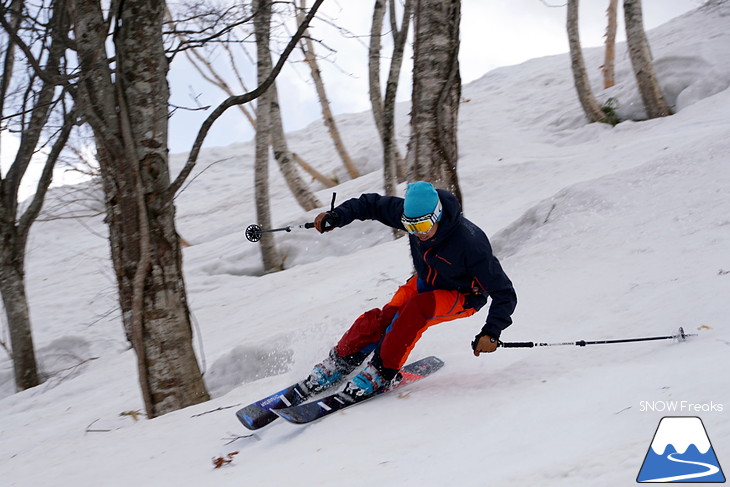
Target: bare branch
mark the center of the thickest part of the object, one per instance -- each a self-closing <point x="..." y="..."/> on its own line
<point x="31" y="213"/>
<point x="5" y="347"/>
<point x="206" y="69"/>
<point x="222" y="408"/>
<point x="9" y="55"/>
<point x="212" y="77"/>
<point x="48" y="76"/>
<point x="43" y="103"/>
<point x="238" y="100"/>
<point x="200" y="173"/>
<point x="89" y="430"/>
<point x="225" y="18"/>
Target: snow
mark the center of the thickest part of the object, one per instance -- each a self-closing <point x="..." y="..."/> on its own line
<point x="606" y="232"/>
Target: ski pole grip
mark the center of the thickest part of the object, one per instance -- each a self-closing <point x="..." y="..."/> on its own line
<point x="517" y="344"/>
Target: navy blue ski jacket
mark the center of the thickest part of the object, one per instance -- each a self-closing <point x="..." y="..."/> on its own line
<point x="459" y="257"/>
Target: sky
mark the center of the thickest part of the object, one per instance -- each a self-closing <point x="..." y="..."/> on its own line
<point x="493" y="34"/>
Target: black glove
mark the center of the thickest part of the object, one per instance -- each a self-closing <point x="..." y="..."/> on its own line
<point x="484" y="343"/>
<point x="324" y="222"/>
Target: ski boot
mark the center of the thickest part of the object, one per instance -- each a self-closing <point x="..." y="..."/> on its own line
<point x="331" y="371"/>
<point x="372" y="379"/>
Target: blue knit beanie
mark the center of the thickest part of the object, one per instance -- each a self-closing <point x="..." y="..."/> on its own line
<point x="421" y="200"/>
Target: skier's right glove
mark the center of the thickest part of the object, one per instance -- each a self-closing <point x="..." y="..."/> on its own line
<point x="324" y="222"/>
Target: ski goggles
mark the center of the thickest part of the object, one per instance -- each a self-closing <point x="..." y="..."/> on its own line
<point x="422" y="224"/>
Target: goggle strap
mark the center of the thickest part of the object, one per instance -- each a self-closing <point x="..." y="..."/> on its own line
<point x="412" y="224"/>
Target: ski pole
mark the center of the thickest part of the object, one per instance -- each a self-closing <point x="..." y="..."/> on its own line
<point x="680" y="336"/>
<point x="255" y="232"/>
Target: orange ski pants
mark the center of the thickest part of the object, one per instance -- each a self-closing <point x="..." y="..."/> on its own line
<point x="399" y="324"/>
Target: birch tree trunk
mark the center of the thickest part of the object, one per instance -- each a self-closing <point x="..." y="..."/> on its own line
<point x="609" y="61"/>
<point x="591" y="108"/>
<point x="374" y="90"/>
<point x="392" y="161"/>
<point x="436" y="93"/>
<point x="327" y="116"/>
<point x="641" y="61"/>
<point x="128" y="113"/>
<point x="262" y="22"/>
<point x="302" y="193"/>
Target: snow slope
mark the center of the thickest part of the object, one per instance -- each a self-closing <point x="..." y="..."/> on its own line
<point x="606" y="233"/>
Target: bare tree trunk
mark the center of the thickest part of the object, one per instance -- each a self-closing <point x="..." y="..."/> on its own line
<point x="376" y="97"/>
<point x="641" y="61"/>
<point x="159" y="297"/>
<point x="392" y="162"/>
<point x="12" y="288"/>
<point x="394" y="166"/>
<point x="436" y="93"/>
<point x="12" y="256"/>
<point x="327" y="116"/>
<point x="12" y="269"/>
<point x="128" y="113"/>
<point x="262" y="24"/>
<point x="591" y="108"/>
<point x="609" y="62"/>
<point x="40" y="99"/>
<point x="304" y="196"/>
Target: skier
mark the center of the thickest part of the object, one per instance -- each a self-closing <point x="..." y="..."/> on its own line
<point x="455" y="273"/>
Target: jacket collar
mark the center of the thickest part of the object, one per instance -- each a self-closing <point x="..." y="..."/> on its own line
<point x="450" y="221"/>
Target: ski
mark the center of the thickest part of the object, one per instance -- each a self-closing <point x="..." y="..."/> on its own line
<point x="258" y="414"/>
<point x="312" y="411"/>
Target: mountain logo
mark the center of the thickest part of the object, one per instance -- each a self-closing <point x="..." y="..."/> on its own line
<point x="681" y="452"/>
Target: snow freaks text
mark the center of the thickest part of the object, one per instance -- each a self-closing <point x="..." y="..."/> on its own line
<point x="680" y="407"/>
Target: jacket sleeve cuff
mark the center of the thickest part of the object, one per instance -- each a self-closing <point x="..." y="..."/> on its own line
<point x="491" y="330"/>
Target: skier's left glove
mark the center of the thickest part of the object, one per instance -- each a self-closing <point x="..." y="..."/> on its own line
<point x="484" y="343"/>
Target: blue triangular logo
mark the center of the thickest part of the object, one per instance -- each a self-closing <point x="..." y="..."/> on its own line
<point x="681" y="452"/>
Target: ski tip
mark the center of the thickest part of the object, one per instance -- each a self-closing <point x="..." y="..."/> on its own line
<point x="284" y="414"/>
<point x="254" y="421"/>
<point x="436" y="360"/>
<point x="424" y="366"/>
<point x="246" y="420"/>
